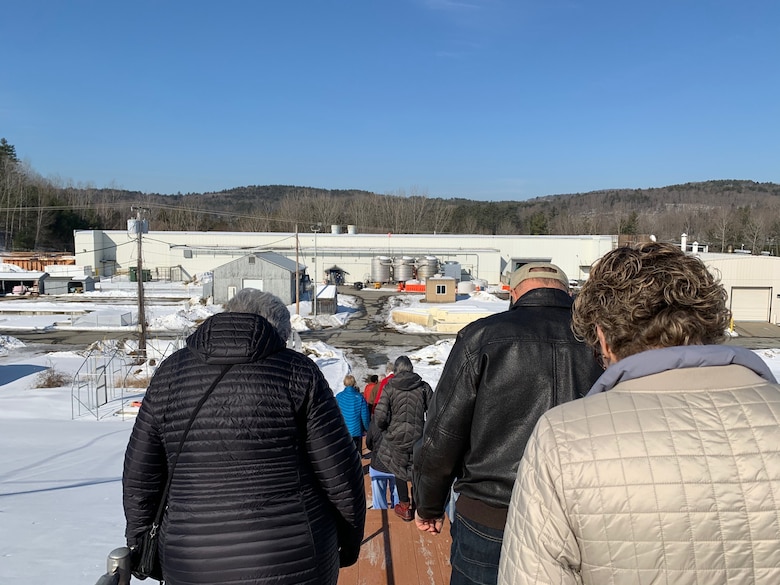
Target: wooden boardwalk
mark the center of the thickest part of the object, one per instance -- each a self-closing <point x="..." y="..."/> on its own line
<point x="395" y="552"/>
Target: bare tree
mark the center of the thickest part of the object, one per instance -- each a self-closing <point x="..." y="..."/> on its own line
<point x="440" y="215"/>
<point x="722" y="225"/>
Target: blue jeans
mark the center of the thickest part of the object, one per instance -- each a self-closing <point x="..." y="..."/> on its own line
<point x="382" y="484"/>
<point x="475" y="552"/>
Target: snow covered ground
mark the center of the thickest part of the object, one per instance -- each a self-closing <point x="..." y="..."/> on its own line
<point x="60" y="478"/>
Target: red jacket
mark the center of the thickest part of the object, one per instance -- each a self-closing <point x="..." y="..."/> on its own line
<point x="382" y="385"/>
<point x="367" y="393"/>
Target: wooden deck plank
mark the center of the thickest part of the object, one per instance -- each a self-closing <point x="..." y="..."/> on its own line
<point x="395" y="552"/>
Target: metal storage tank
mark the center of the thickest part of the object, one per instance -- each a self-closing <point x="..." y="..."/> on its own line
<point x="335" y="229"/>
<point x="465" y="287"/>
<point x="452" y="269"/>
<point x="427" y="267"/>
<point x="380" y="269"/>
<point x="352" y="230"/>
<point x="403" y="269"/>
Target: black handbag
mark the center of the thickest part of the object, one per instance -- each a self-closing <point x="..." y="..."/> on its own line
<point x="145" y="557"/>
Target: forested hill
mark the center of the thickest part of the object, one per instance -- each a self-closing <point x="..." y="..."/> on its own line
<point x="37" y="214"/>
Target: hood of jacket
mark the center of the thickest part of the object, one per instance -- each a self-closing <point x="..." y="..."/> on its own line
<point x="654" y="361"/>
<point x="406" y="381"/>
<point x="234" y="338"/>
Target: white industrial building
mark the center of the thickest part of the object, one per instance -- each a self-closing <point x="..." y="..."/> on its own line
<point x="364" y="257"/>
<point x="752" y="282"/>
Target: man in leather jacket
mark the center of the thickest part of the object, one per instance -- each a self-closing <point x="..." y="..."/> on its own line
<point x="503" y="373"/>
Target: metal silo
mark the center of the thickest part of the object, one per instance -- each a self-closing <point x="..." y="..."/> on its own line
<point x="403" y="269"/>
<point x="380" y="269"/>
<point x="427" y="267"/>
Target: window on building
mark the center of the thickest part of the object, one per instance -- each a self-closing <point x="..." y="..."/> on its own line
<point x="187" y="253"/>
<point x="251" y="259"/>
<point x="441" y="289"/>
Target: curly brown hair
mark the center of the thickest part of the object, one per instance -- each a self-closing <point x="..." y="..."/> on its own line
<point x="650" y="296"/>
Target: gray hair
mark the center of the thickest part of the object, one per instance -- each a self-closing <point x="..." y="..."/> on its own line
<point x="268" y="306"/>
<point x="403" y="364"/>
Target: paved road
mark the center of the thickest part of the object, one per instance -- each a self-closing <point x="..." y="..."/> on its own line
<point x="365" y="334"/>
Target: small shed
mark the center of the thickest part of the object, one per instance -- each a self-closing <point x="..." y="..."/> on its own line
<point x="441" y="289"/>
<point x="64" y="284"/>
<point x="22" y="282"/>
<point x="327" y="299"/>
<point x="267" y="271"/>
<point x="335" y="275"/>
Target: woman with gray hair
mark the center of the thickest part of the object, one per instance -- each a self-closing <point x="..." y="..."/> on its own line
<point x="267" y="487"/>
<point x="400" y="415"/>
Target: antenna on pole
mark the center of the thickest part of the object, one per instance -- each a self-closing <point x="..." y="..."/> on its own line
<point x="297" y="276"/>
<point x="316" y="228"/>
<point x="139" y="227"/>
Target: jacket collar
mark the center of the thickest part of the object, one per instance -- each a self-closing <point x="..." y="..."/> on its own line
<point x="654" y="361"/>
<point x="544" y="297"/>
<point x="234" y="338"/>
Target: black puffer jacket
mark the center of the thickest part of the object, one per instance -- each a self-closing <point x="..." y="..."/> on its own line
<point x="400" y="415"/>
<point x="502" y="374"/>
<point x="268" y="487"/>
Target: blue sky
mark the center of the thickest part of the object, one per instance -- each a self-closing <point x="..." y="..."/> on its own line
<point x="483" y="99"/>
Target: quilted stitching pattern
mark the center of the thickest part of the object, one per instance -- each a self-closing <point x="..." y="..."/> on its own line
<point x="652" y="486"/>
<point x="400" y="414"/>
<point x="268" y="485"/>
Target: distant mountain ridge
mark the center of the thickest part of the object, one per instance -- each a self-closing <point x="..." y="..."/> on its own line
<point x="37" y="214"/>
<point x="740" y="213"/>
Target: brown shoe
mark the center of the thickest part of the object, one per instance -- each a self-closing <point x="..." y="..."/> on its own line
<point x="404" y="511"/>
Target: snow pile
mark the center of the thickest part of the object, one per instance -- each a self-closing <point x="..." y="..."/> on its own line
<point x="330" y="361"/>
<point x="298" y="322"/>
<point x="486" y="297"/>
<point x="433" y="355"/>
<point x="175" y="322"/>
<point x="409" y="327"/>
<point x="8" y="342"/>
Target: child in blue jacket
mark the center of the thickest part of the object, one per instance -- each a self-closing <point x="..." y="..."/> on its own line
<point x="354" y="409"/>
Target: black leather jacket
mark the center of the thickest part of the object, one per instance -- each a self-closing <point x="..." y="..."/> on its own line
<point x="503" y="373"/>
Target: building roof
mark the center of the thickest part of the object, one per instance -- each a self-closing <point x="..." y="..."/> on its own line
<point x="65" y="277"/>
<point x="24" y="275"/>
<point x="280" y="261"/>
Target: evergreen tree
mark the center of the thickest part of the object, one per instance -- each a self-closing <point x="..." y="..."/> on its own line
<point x="7" y="151"/>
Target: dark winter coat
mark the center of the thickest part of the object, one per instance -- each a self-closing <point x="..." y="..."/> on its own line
<point x="268" y="487"/>
<point x="502" y="374"/>
<point x="400" y="415"/>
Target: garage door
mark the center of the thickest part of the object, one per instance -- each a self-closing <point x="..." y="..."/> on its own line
<point x="252" y="283"/>
<point x="751" y="304"/>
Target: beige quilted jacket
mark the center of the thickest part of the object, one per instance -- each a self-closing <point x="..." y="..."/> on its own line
<point x="671" y="478"/>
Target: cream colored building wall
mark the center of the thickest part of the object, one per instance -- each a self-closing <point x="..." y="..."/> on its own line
<point x="484" y="257"/>
<point x="742" y="270"/>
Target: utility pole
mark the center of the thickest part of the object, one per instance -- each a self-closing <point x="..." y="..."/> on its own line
<point x="316" y="229"/>
<point x="139" y="229"/>
<point x="297" y="276"/>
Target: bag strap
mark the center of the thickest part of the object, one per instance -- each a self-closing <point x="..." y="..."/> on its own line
<point x="164" y="499"/>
